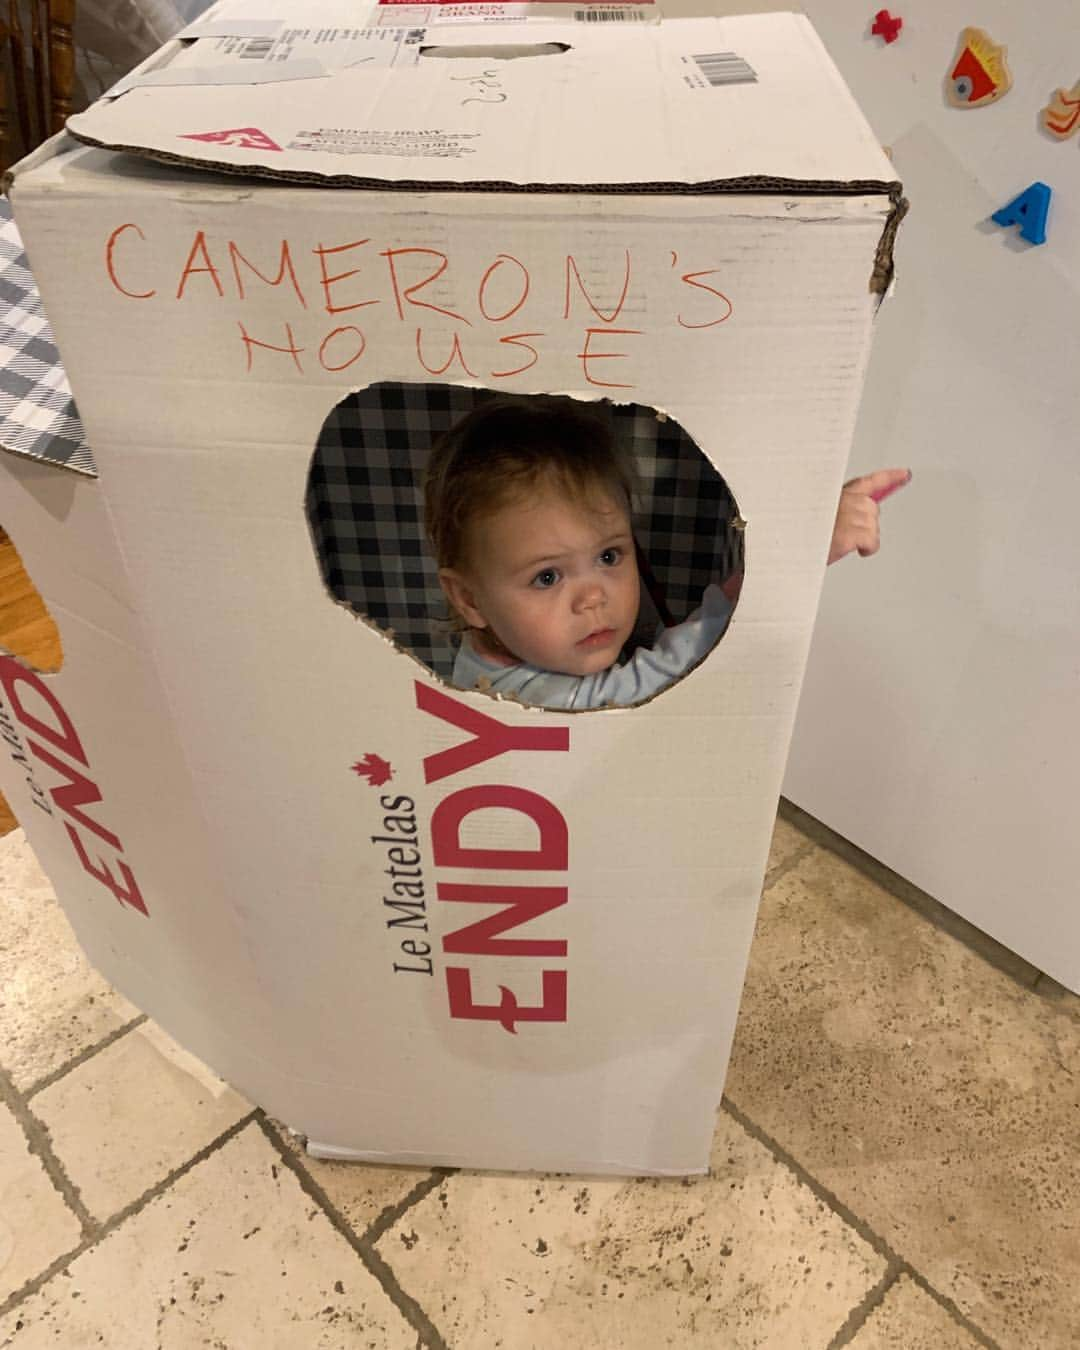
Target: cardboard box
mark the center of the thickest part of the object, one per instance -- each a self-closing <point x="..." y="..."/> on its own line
<point x="691" y="216"/>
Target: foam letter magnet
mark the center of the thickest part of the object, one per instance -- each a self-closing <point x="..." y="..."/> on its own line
<point x="980" y="74"/>
<point x="1029" y="211"/>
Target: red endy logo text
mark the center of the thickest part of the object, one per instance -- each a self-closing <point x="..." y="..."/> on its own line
<point x="54" y="743"/>
<point x="488" y="739"/>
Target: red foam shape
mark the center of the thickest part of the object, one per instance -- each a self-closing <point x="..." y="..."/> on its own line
<point x="886" y="26"/>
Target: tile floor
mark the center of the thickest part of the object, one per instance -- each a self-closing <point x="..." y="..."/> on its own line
<point x="896" y="1167"/>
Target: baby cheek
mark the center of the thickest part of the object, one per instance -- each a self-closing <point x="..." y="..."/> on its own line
<point x="531" y="609"/>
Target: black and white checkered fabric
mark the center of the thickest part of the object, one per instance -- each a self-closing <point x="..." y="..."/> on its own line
<point x="365" y="509"/>
<point x="37" y="413"/>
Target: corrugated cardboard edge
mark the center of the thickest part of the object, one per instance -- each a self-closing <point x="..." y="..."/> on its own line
<point x="39" y="458"/>
<point x="880" y="277"/>
<point x="884" y="263"/>
<point x="39" y="155"/>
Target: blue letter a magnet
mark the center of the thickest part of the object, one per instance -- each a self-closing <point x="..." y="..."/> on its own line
<point x="1029" y="211"/>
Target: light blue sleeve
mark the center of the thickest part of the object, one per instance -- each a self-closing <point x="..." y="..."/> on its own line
<point x="648" y="671"/>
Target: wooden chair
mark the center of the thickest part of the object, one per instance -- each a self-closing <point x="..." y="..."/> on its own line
<point x="37" y="73"/>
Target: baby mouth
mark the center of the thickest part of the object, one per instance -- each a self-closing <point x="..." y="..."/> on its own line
<point x="598" y="639"/>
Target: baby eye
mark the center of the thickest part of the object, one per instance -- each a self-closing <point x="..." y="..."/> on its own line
<point x="611" y="556"/>
<point x="546" y="579"/>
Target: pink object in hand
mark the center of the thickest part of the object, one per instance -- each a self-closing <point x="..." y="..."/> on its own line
<point x="882" y="493"/>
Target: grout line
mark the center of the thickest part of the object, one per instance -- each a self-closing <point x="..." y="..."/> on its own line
<point x="387" y="1218"/>
<point x="425" y="1329"/>
<point x="39" y="1141"/>
<point x="392" y="1213"/>
<point x="874" y="1239"/>
<point x="96" y="1231"/>
<point x="948" y="1306"/>
<point x="32" y="1286"/>
<point x="826" y="1196"/>
<point x="858" y="1316"/>
<point x="82" y="1057"/>
<point x="788" y="865"/>
<point x="417" y="1318"/>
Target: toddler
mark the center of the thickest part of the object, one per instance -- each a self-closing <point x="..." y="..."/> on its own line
<point x="528" y="509"/>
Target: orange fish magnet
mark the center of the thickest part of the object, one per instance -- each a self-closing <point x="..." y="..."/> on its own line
<point x="1061" y="116"/>
<point x="980" y="75"/>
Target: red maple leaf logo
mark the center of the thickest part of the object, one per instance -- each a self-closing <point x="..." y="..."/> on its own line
<point x="376" y="770"/>
<point x="247" y="138"/>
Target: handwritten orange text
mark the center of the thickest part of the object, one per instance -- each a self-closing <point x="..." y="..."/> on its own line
<point x="336" y="302"/>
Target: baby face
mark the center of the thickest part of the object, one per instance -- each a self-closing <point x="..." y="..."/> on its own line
<point x="556" y="581"/>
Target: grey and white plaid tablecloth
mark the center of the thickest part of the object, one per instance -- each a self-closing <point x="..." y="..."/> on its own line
<point x="37" y="413"/>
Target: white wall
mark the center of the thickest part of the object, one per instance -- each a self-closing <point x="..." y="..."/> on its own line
<point x="939" y="727"/>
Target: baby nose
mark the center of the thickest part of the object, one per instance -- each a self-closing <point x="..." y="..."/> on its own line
<point x="590" y="596"/>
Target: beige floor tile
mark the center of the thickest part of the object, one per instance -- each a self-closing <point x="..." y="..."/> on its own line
<point x="53" y="1004"/>
<point x="744" y="1257"/>
<point x="234" y="1255"/>
<point x="129" y="1115"/>
<point x="36" y="1225"/>
<point x="360" y="1192"/>
<point x="786" y="842"/>
<point x="909" y="1319"/>
<point x="934" y="1096"/>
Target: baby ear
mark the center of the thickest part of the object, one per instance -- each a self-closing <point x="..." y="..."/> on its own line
<point x="460" y="595"/>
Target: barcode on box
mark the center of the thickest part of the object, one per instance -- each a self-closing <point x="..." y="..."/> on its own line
<point x="610" y="16"/>
<point x="256" y="49"/>
<point x="724" y="68"/>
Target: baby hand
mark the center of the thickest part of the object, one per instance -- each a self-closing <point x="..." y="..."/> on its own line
<point x="857" y="526"/>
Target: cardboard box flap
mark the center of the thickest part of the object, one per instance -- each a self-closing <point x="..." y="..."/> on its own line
<point x="751" y="102"/>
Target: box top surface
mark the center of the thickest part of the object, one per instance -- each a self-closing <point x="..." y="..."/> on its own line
<point x="707" y="104"/>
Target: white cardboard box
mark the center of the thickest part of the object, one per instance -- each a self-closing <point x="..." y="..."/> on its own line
<point x="185" y="777"/>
